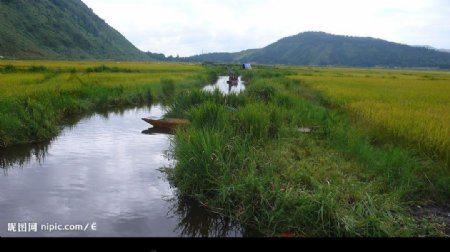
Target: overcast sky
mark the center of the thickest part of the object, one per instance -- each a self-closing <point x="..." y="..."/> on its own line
<point x="189" y="27"/>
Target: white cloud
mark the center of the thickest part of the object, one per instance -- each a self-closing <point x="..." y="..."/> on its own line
<point x="188" y="27"/>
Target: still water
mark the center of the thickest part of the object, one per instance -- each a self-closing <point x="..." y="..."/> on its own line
<point x="224" y="87"/>
<point x="102" y="174"/>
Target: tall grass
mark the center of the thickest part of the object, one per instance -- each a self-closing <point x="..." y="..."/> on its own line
<point x="401" y="107"/>
<point x="253" y="164"/>
<point x="168" y="88"/>
<point x="35" y="97"/>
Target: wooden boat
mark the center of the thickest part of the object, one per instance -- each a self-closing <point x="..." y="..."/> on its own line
<point x="167" y="123"/>
<point x="155" y="131"/>
<point x="232" y="82"/>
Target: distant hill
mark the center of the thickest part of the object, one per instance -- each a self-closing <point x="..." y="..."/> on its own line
<point x="434" y="48"/>
<point x="322" y="49"/>
<point x="59" y="29"/>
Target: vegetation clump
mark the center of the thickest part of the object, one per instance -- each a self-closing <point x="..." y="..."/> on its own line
<point x="254" y="164"/>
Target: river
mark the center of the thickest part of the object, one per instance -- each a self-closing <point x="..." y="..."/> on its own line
<point x="103" y="176"/>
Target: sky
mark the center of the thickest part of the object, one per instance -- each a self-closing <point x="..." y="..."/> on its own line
<point x="190" y="27"/>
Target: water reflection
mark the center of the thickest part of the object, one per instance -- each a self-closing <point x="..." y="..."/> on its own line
<point x="155" y="131"/>
<point x="102" y="170"/>
<point x="226" y="88"/>
<point x="19" y="156"/>
<point x="196" y="221"/>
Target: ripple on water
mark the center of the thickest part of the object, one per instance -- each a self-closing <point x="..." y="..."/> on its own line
<point x="101" y="170"/>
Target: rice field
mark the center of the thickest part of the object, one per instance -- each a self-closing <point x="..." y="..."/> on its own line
<point x="407" y="107"/>
<point x="254" y="163"/>
<point x="35" y="96"/>
<point x="83" y="65"/>
<point x="356" y="173"/>
<point x="71" y="75"/>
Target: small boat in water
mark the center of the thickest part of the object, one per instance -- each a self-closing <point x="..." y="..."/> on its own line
<point x="167" y="123"/>
<point x="233" y="80"/>
<point x="232" y="83"/>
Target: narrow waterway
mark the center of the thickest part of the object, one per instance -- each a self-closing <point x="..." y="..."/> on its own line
<point x="103" y="176"/>
<point x="225" y="87"/>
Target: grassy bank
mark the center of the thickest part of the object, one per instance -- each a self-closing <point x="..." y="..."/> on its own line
<point x="244" y="156"/>
<point x="37" y="96"/>
<point x="411" y="108"/>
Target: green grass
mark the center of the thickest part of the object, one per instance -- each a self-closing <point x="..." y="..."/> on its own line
<point x="37" y="96"/>
<point x="254" y="165"/>
<point x="243" y="155"/>
<point x="402" y="107"/>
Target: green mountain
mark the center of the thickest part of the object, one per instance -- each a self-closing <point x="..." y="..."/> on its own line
<point x="322" y="49"/>
<point x="59" y="29"/>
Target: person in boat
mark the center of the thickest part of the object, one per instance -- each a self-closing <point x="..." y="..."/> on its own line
<point x="230" y="79"/>
<point x="233" y="78"/>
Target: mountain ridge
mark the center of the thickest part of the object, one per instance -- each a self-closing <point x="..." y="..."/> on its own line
<point x="324" y="49"/>
<point x="70" y="30"/>
<point x="55" y="29"/>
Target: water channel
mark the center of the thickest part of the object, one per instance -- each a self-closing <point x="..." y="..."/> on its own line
<point x="102" y="175"/>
